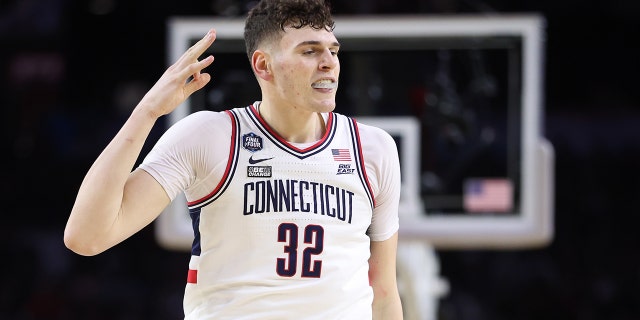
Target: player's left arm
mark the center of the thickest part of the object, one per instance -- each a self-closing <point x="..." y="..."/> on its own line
<point x="382" y="276"/>
<point x="383" y="170"/>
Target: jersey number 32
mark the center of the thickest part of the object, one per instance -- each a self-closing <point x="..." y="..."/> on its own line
<point x="313" y="238"/>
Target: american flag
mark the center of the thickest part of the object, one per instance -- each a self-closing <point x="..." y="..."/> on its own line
<point x="341" y="154"/>
<point x="488" y="195"/>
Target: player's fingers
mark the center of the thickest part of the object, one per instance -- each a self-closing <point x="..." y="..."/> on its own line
<point x="196" y="83"/>
<point x="198" y="79"/>
<point x="195" y="68"/>
<point x="198" y="48"/>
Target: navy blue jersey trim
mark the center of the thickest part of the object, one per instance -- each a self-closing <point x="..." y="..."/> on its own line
<point x="359" y="158"/>
<point x="194" y="213"/>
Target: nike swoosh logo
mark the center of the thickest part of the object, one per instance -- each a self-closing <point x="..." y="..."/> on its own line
<point x="254" y="161"/>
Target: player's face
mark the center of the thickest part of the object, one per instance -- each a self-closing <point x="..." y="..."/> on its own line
<point x="306" y="69"/>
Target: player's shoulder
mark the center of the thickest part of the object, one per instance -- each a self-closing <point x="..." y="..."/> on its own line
<point x="374" y="140"/>
<point x="365" y="129"/>
<point x="374" y="134"/>
<point x="204" y="123"/>
<point x="202" y="118"/>
<point x="205" y="116"/>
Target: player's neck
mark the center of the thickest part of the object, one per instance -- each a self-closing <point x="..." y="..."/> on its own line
<point x="297" y="126"/>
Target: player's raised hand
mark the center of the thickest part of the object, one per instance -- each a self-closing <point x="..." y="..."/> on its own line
<point x="180" y="80"/>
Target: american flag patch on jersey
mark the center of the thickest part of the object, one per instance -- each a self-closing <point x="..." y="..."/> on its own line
<point x="341" y="154"/>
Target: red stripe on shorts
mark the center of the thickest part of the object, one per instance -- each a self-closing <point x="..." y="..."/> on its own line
<point x="192" y="276"/>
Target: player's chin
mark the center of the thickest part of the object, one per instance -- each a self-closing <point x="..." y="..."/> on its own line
<point x="327" y="105"/>
<point x="326" y="101"/>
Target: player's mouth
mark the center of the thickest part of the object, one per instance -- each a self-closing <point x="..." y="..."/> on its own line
<point x="325" y="84"/>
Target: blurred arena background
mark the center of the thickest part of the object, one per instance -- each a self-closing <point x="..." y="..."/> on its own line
<point x="71" y="70"/>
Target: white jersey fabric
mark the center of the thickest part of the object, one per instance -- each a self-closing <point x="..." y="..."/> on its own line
<point x="281" y="230"/>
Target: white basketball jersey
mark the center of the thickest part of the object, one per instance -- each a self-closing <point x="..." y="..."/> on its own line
<point x="283" y="234"/>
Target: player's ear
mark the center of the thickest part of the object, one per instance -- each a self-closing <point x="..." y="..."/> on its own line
<point x="260" y="62"/>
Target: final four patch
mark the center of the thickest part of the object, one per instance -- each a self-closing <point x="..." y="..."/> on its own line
<point x="252" y="142"/>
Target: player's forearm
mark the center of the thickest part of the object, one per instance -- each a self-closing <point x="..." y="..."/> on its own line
<point x="90" y="226"/>
<point x="382" y="275"/>
<point x="389" y="309"/>
<point x="386" y="303"/>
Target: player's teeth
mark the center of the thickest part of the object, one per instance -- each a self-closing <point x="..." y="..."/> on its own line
<point x="325" y="84"/>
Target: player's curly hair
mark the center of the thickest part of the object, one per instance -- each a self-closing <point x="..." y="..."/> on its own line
<point x="268" y="19"/>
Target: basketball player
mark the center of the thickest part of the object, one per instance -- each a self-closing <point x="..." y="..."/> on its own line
<point x="294" y="206"/>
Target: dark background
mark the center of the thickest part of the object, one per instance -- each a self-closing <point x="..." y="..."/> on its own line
<point x="70" y="71"/>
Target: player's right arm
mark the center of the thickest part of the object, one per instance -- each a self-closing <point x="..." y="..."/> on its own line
<point x="113" y="203"/>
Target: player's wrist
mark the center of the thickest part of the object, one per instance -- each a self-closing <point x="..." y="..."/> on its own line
<point x="146" y="112"/>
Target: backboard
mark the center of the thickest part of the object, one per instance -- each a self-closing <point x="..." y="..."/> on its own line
<point x="462" y="96"/>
